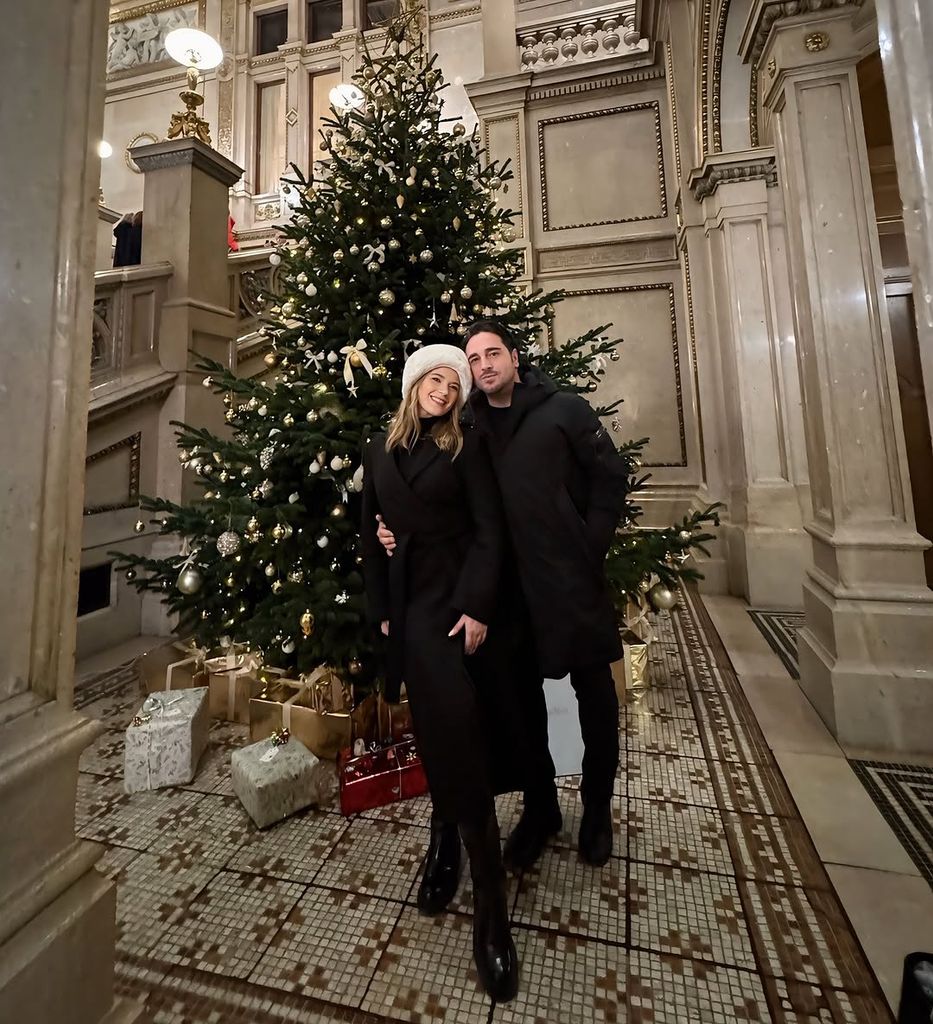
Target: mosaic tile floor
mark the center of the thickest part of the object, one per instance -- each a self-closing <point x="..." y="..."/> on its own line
<point x="714" y="908"/>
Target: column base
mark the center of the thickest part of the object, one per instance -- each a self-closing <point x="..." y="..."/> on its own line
<point x="59" y="967"/>
<point x="767" y="565"/>
<point x="867" y="668"/>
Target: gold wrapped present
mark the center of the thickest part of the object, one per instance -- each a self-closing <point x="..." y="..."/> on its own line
<point x="176" y="665"/>
<point x="631" y="673"/>
<point x="233" y="679"/>
<point x="319" y="710"/>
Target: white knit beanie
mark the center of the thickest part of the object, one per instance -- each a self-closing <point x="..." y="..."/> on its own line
<point x="431" y="356"/>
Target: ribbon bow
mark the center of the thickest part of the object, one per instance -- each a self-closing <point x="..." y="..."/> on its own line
<point x="314" y="357"/>
<point x="356" y="356"/>
<point x="375" y="252"/>
<point x="389" y="168"/>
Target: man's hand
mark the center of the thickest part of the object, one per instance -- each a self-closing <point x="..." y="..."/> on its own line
<point x="386" y="536"/>
<point x="384" y="626"/>
<point x="474" y="633"/>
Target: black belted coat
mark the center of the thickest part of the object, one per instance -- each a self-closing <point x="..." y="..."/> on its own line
<point x="563" y="488"/>
<point x="448" y="524"/>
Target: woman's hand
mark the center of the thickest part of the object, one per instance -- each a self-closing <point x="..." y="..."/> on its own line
<point x="474" y="633"/>
<point x="384" y="626"/>
<point x="386" y="536"/>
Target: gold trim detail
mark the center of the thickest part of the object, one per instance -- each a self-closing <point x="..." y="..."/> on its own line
<point x="772" y="68"/>
<point x="267" y="211"/>
<point x="542" y="169"/>
<point x="675" y="351"/>
<point x="132" y="483"/>
<point x="455" y="15"/>
<point x="225" y="85"/>
<point x="704" y="73"/>
<point x="154" y="7"/>
<point x="816" y="42"/>
<point x="691" y="326"/>
<point x="588" y="85"/>
<point x="717" y="74"/>
<point x="673" y="98"/>
<point x="130" y="162"/>
<point x="753" y="106"/>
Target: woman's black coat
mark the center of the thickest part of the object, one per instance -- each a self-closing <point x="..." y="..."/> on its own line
<point x="446" y="515"/>
<point x="563" y="488"/>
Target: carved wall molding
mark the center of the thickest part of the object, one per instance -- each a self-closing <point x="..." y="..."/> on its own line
<point x="668" y="287"/>
<point x="652" y="105"/>
<point x="718" y="41"/>
<point x="704" y="181"/>
<point x="518" y="171"/>
<point x="457" y="14"/>
<point x="627" y="253"/>
<point x="673" y="101"/>
<point x="756" y="35"/>
<point x="691" y="328"/>
<point x="225" y="84"/>
<point x="704" y="42"/>
<point x="650" y="74"/>
<point x="132" y="482"/>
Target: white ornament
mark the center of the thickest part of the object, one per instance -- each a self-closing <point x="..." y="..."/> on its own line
<point x="228" y="543"/>
<point x="336" y="463"/>
<point x="275" y="259"/>
<point x="314" y="468"/>
<point x="322" y="542"/>
<point x="311" y="291"/>
<point x="293" y="498"/>
<point x="342" y="597"/>
<point x="356" y="481"/>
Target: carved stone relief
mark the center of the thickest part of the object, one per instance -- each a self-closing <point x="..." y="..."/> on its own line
<point x="137" y="36"/>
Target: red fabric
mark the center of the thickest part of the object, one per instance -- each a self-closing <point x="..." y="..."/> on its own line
<point x="381" y="777"/>
<point x="232" y="244"/>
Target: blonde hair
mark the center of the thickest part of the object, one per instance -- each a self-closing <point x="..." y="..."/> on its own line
<point x="405" y="425"/>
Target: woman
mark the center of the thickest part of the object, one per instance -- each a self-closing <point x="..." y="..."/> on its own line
<point x="432" y="600"/>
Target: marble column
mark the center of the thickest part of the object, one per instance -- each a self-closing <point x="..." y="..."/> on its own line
<point x="57" y="912"/>
<point x="766" y="545"/>
<point x="866" y="652"/>
<point x="905" y="29"/>
<point x="185" y="200"/>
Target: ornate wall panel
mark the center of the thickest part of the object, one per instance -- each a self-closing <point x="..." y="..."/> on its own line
<point x="502" y="141"/>
<point x="648" y="374"/>
<point x="111" y="478"/>
<point x="625" y="139"/>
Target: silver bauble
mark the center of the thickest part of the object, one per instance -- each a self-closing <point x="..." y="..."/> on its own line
<point x="189" y="580"/>
<point x="662" y="598"/>
<point x="684" y="536"/>
<point x="228" y="543"/>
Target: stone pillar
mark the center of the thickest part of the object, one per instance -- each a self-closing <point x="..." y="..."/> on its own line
<point x="905" y="28"/>
<point x="185" y="202"/>
<point x="766" y="544"/>
<point x="866" y="652"/>
<point x="500" y="45"/>
<point x="57" y="913"/>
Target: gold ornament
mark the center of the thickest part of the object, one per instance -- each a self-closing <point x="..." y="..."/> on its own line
<point x="400" y="201"/>
<point x="662" y="598"/>
<point x="270" y="359"/>
<point x="288" y="420"/>
<point x="307" y="622"/>
<point x="355" y="358"/>
<point x="277" y="587"/>
<point x="139" y="526"/>
<point x="354" y="667"/>
<point x="337" y="512"/>
<point x="380" y="371"/>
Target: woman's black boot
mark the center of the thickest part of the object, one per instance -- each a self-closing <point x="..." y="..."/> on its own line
<point x="441" y="873"/>
<point x="493" y="949"/>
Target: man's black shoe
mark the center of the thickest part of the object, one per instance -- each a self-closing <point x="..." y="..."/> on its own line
<point x="530" y="836"/>
<point x="595" y="839"/>
<point x="441" y="869"/>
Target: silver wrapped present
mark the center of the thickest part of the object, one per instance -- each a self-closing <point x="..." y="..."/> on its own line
<point x="165" y="740"/>
<point x="275" y="777"/>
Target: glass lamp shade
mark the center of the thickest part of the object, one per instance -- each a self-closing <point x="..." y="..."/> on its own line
<point x="194" y="49"/>
<point x="346" y="96"/>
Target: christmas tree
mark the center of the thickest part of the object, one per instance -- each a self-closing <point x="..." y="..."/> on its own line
<point x="399" y="241"/>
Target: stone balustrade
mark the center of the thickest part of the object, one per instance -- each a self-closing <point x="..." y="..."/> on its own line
<point x="587" y="35"/>
<point x="127" y="311"/>
<point x="250" y="275"/>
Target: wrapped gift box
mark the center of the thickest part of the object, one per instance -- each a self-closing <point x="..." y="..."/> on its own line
<point x="309" y="715"/>
<point x="233" y="680"/>
<point x="275" y="779"/>
<point x="631" y="673"/>
<point x="380" y="777"/>
<point x="176" y="665"/>
<point x="165" y="740"/>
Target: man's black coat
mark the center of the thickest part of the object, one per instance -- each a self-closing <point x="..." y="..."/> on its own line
<point x="563" y="487"/>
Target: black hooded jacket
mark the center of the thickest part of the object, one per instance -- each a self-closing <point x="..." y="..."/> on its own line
<point x="563" y="487"/>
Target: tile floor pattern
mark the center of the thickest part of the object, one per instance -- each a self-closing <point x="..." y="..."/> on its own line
<point x="714" y="908"/>
<point x="780" y="628"/>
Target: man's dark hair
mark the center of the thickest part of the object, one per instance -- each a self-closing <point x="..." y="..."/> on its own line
<point x="491" y="327"/>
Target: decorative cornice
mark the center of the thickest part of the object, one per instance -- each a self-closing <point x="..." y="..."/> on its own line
<point x="457" y="14"/>
<point x="647" y="74"/>
<point x="728" y="168"/>
<point x="141" y="10"/>
<point x="182" y="152"/>
<point x="119" y="400"/>
<point x="765" y="13"/>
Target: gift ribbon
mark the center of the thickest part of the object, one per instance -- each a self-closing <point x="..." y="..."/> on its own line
<point x="642" y="607"/>
<point x="358" y="349"/>
<point x="236" y="665"/>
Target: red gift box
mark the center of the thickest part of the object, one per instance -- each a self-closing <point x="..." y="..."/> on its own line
<point x="380" y="777"/>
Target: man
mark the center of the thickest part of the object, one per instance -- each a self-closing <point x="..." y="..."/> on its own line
<point x="563" y="488"/>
